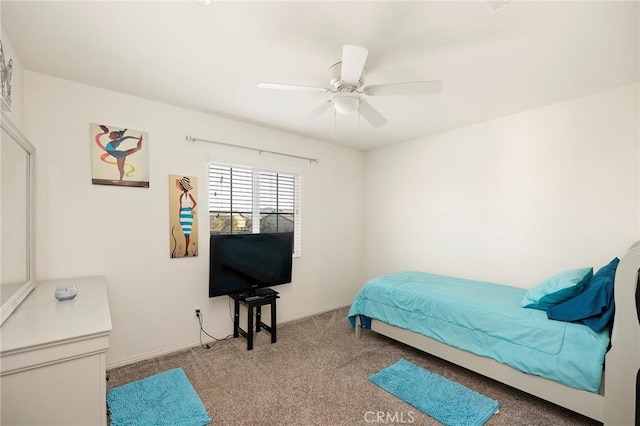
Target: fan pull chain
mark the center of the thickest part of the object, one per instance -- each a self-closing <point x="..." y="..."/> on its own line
<point x="334" y="124"/>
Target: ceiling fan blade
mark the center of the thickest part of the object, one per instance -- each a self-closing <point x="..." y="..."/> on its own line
<point x="412" y="88"/>
<point x="353" y="59"/>
<point x="370" y="114"/>
<point x="316" y="112"/>
<point x="293" y="87"/>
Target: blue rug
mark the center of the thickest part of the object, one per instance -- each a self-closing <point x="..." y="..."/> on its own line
<point x="165" y="399"/>
<point x="448" y="402"/>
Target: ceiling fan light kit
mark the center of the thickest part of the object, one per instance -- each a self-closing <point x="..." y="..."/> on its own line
<point x="346" y="79"/>
<point x="346" y="103"/>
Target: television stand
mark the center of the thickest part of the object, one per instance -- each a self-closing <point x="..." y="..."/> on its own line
<point x="254" y="300"/>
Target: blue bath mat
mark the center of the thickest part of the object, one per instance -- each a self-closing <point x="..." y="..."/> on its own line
<point x="165" y="399"/>
<point x="448" y="402"/>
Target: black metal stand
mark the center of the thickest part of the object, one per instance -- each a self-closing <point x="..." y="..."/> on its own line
<point x="254" y="301"/>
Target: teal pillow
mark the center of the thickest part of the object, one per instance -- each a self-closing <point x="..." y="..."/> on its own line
<point x="595" y="305"/>
<point x="557" y="289"/>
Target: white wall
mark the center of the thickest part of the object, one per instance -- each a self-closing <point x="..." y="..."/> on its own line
<point x="123" y="233"/>
<point x="511" y="200"/>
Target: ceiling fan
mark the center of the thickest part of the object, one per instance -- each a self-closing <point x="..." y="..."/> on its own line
<point x="346" y="79"/>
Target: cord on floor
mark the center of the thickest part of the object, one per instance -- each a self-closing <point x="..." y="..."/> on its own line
<point x="202" y="330"/>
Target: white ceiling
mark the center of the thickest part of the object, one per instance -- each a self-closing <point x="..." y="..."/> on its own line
<point x="209" y="58"/>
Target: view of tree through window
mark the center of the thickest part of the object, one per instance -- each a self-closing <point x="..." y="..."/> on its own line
<point x="230" y="199"/>
<point x="277" y="202"/>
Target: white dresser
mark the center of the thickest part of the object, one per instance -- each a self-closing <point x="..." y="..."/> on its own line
<point x="52" y="357"/>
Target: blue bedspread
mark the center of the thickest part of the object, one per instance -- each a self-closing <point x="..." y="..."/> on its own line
<point x="486" y="319"/>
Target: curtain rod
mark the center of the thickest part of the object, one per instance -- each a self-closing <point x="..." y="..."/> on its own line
<point x="311" y="160"/>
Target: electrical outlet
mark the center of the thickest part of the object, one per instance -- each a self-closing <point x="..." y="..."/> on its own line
<point x="197" y="312"/>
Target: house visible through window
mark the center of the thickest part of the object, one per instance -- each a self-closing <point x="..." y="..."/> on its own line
<point x="247" y="200"/>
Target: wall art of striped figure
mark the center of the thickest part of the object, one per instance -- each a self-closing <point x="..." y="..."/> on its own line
<point x="183" y="216"/>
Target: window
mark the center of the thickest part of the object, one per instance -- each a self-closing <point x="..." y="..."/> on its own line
<point x="246" y="200"/>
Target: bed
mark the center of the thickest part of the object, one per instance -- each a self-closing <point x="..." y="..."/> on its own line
<point x="483" y="327"/>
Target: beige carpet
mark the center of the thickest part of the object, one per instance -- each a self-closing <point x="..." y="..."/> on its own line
<point x="317" y="374"/>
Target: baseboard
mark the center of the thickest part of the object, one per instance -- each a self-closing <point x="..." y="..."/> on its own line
<point x="310" y="314"/>
<point x="144" y="357"/>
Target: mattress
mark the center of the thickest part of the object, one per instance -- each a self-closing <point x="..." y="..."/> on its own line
<point x="487" y="320"/>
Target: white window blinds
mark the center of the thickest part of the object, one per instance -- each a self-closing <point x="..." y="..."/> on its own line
<point x="249" y="200"/>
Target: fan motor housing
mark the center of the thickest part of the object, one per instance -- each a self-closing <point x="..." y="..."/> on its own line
<point x="335" y="79"/>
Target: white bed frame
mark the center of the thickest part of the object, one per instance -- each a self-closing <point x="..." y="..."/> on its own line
<point x="615" y="405"/>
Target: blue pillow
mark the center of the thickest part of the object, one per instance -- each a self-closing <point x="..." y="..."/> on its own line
<point x="557" y="289"/>
<point x="595" y="306"/>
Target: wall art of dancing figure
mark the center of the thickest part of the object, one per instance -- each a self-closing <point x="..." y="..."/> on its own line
<point x="119" y="156"/>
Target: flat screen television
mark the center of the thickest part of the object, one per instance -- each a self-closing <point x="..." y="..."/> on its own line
<point x="245" y="263"/>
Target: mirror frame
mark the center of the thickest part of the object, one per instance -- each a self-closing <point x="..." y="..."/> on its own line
<point x="10" y="305"/>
